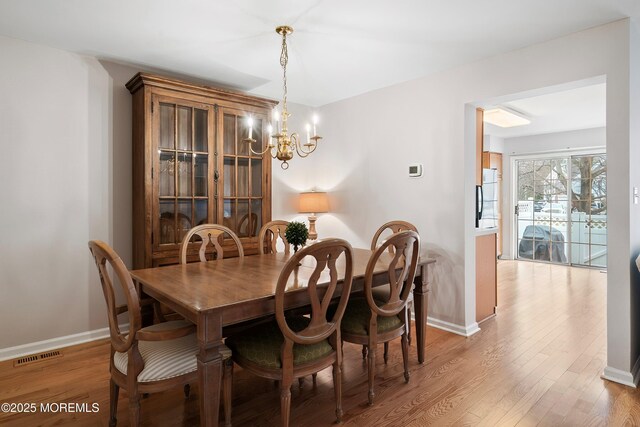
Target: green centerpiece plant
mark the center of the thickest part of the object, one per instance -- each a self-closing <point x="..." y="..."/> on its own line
<point x="296" y="234"/>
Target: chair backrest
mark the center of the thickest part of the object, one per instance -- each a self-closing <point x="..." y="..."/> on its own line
<point x="406" y="250"/>
<point x="325" y="253"/>
<point x="395" y="227"/>
<point x="209" y="233"/>
<point x="103" y="256"/>
<point x="273" y="230"/>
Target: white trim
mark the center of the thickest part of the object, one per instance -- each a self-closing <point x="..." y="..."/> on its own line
<point x="56" y="343"/>
<point x="465" y="331"/>
<point x="619" y="376"/>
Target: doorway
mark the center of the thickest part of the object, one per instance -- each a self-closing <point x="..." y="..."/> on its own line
<point x="561" y="209"/>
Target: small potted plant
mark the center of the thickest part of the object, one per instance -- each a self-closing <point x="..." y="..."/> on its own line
<point x="296" y="234"/>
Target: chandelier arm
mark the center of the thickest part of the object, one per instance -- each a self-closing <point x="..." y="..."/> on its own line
<point x="299" y="148"/>
<point x="257" y="153"/>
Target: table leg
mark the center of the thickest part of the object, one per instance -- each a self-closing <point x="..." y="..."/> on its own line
<point x="209" y="368"/>
<point x="420" y="294"/>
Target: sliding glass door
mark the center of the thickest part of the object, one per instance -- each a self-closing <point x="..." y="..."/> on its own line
<point x="589" y="210"/>
<point x="561" y="210"/>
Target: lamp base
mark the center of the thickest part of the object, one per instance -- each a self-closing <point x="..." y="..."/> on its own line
<point x="313" y="234"/>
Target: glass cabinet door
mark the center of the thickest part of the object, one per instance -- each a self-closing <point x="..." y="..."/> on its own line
<point x="243" y="174"/>
<point x="184" y="164"/>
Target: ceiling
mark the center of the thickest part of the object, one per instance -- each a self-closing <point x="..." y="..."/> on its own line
<point x="339" y="48"/>
<point x="581" y="108"/>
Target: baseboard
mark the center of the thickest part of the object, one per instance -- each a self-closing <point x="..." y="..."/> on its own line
<point x="621" y="377"/>
<point x="56" y="343"/>
<point x="635" y="372"/>
<point x="465" y="331"/>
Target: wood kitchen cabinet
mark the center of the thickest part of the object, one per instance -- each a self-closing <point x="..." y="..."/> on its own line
<point x="191" y="165"/>
<point x="486" y="276"/>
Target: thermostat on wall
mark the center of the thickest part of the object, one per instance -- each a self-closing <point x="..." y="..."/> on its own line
<point x="415" y="170"/>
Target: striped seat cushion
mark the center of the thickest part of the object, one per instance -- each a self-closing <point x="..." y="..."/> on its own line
<point x="168" y="358"/>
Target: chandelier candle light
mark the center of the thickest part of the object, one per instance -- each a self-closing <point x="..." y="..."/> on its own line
<point x="285" y="144"/>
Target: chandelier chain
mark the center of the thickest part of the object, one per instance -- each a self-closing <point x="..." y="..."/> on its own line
<point x="284" y="60"/>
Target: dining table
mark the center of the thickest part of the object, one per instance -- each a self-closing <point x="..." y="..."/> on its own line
<point x="230" y="291"/>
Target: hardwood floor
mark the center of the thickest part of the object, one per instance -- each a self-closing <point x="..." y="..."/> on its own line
<point x="537" y="363"/>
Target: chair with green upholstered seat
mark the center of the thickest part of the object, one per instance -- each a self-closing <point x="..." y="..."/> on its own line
<point x="368" y="321"/>
<point x="382" y="292"/>
<point x="296" y="346"/>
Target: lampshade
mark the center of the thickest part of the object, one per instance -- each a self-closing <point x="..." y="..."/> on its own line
<point x="313" y="202"/>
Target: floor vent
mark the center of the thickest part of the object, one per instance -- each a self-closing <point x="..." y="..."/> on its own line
<point x="32" y="358"/>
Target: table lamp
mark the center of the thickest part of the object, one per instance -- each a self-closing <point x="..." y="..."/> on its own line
<point x="313" y="203"/>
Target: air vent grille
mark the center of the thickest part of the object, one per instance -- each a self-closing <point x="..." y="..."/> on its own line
<point x="32" y="358"/>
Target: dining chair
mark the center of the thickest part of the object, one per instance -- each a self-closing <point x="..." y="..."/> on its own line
<point x="209" y="234"/>
<point x="150" y="359"/>
<point x="382" y="292"/>
<point x="368" y="321"/>
<point x="296" y="346"/>
<point x="268" y="237"/>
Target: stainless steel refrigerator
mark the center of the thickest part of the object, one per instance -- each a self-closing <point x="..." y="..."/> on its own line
<point x="487" y="200"/>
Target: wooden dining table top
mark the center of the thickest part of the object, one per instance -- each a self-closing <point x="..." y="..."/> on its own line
<point x="203" y="286"/>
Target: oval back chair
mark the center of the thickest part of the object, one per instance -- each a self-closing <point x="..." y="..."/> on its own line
<point x="150" y="359"/>
<point x="296" y="346"/>
<point x="395" y="226"/>
<point x="382" y="292"/>
<point x="271" y="231"/>
<point x="210" y="234"/>
<point x="367" y="320"/>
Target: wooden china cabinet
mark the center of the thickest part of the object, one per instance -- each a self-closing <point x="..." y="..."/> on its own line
<point x="191" y="166"/>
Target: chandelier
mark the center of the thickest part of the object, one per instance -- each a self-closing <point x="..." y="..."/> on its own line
<point x="281" y="145"/>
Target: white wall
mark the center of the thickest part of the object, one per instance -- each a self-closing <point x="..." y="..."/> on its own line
<point x="548" y="143"/>
<point x="54" y="189"/>
<point x="494" y="144"/>
<point x="372" y="138"/>
<point x="66" y="179"/>
<point x="554" y="142"/>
